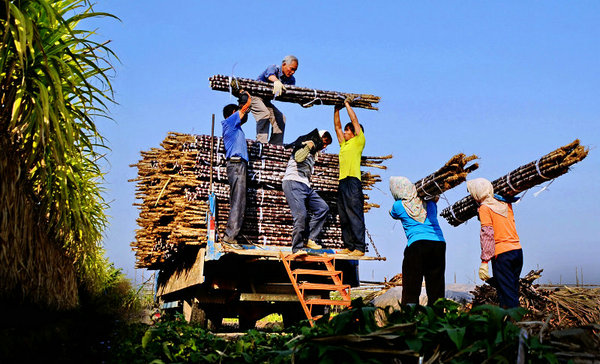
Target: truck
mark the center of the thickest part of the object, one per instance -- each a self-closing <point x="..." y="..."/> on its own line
<point x="214" y="283"/>
<point x="184" y="192"/>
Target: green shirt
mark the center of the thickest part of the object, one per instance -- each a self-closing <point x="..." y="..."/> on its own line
<point x="350" y="155"/>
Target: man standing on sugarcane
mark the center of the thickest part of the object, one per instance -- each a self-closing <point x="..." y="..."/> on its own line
<point x="350" y="195"/>
<point x="301" y="197"/>
<point x="236" y="152"/>
<point x="265" y="113"/>
<point x="499" y="242"/>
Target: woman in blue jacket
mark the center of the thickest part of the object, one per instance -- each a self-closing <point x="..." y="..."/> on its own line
<point x="425" y="252"/>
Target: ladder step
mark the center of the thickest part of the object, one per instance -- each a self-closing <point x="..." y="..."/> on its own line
<point x="315" y="258"/>
<point x="316" y="272"/>
<point x="323" y="286"/>
<point x="322" y="301"/>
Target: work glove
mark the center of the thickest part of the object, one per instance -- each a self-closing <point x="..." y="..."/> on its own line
<point x="484" y="271"/>
<point x="278" y="88"/>
<point x="302" y="153"/>
<point x="243" y="98"/>
<point x="349" y="99"/>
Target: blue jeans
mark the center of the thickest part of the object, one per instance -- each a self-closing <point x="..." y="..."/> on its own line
<point x="303" y="200"/>
<point x="507" y="268"/>
<point x="236" y="175"/>
<point x="351" y="210"/>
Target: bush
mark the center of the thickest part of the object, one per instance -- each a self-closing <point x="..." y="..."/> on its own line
<point x="363" y="334"/>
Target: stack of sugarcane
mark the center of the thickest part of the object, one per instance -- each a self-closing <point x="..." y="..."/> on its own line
<point x="561" y="307"/>
<point x="295" y="94"/>
<point x="453" y="173"/>
<point x="396" y="281"/>
<point x="546" y="168"/>
<point x="174" y="182"/>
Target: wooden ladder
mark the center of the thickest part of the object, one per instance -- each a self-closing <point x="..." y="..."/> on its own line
<point x="335" y="275"/>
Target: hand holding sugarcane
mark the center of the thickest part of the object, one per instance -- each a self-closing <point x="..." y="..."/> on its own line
<point x="278" y="87"/>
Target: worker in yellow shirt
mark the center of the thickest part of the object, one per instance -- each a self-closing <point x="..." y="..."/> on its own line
<point x="350" y="195"/>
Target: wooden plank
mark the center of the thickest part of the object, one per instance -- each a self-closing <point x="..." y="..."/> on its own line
<point x="185" y="278"/>
<point x="267" y="297"/>
<point x="320" y="301"/>
<point x="258" y="251"/>
<point x="316" y="272"/>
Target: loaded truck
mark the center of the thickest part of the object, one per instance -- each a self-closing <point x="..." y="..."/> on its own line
<point x="184" y="208"/>
<point x="215" y="282"/>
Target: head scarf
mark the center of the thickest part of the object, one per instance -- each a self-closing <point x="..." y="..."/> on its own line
<point x="402" y="189"/>
<point x="483" y="192"/>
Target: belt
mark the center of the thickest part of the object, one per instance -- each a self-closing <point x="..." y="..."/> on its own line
<point x="236" y="159"/>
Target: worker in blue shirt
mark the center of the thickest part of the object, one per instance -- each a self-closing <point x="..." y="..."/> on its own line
<point x="263" y="110"/>
<point x="425" y="252"/>
<point x="236" y="152"/>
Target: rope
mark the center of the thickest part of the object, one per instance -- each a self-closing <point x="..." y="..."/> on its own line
<point x="218" y="147"/>
<point x="543" y="189"/>
<point x="438" y="186"/>
<point x="314" y="99"/>
<point x="454" y="216"/>
<point x="537" y="168"/>
<point x="508" y="182"/>
<point x="230" y="79"/>
<point x="425" y="192"/>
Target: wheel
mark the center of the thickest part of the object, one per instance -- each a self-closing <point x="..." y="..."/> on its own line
<point x="247" y="322"/>
<point x="203" y="317"/>
<point x="292" y="315"/>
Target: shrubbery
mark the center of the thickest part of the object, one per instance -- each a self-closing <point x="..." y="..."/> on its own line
<point x="363" y="334"/>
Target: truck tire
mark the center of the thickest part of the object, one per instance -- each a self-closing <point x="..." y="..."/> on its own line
<point x="202" y="316"/>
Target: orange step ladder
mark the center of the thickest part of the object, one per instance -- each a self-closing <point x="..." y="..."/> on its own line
<point x="335" y="275"/>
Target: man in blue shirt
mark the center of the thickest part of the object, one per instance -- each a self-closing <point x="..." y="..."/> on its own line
<point x="264" y="111"/>
<point x="236" y="152"/>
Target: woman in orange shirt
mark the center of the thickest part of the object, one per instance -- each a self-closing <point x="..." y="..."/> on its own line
<point x="499" y="242"/>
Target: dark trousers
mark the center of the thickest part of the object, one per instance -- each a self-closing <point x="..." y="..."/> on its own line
<point x="507" y="269"/>
<point x="351" y="210"/>
<point x="236" y="175"/>
<point x="424" y="258"/>
<point x="302" y="201"/>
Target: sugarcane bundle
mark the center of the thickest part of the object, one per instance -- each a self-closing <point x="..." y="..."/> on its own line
<point x="395" y="281"/>
<point x="561" y="307"/>
<point x="450" y="175"/>
<point x="295" y="94"/>
<point x="548" y="167"/>
<point x="173" y="185"/>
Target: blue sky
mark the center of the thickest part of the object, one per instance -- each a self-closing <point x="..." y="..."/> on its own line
<point x="509" y="81"/>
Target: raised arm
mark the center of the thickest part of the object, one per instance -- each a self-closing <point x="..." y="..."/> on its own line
<point x="353" y="117"/>
<point x="246" y="107"/>
<point x="338" y="124"/>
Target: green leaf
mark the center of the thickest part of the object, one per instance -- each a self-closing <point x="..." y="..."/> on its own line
<point x="457" y="335"/>
<point x="166" y="350"/>
<point x="414" y="344"/>
<point x="148" y="335"/>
